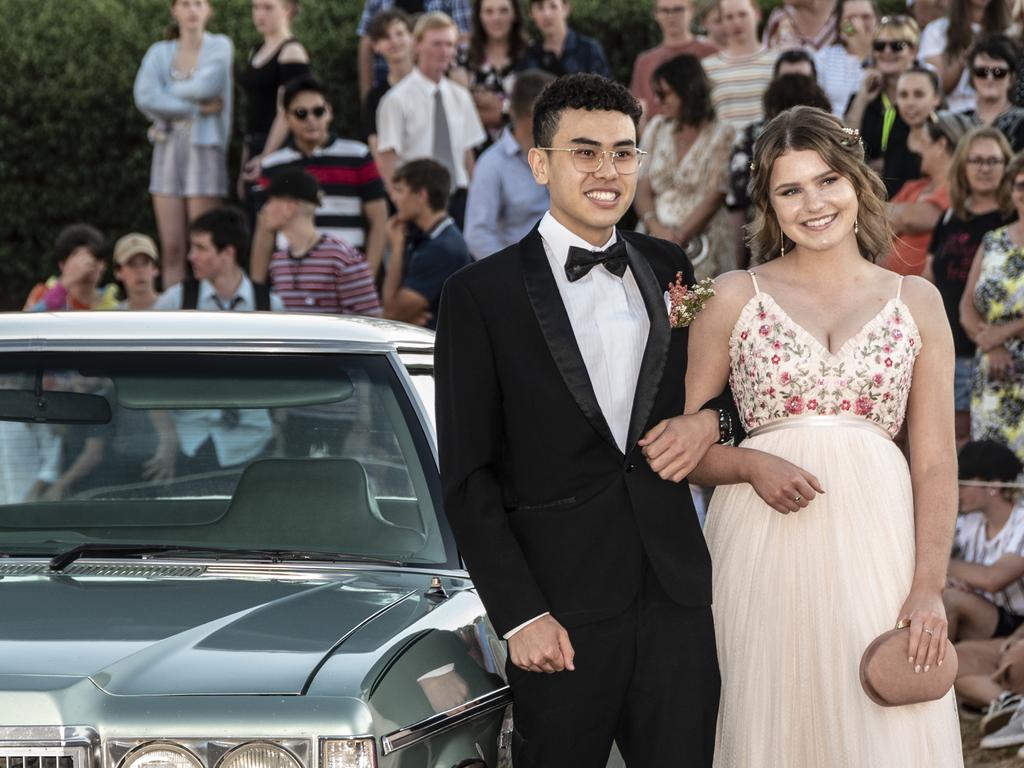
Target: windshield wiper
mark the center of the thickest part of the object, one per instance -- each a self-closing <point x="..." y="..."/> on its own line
<point x="62" y="560"/>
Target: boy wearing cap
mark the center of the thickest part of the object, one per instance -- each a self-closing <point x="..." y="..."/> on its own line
<point x="136" y="267"/>
<point x="317" y="272"/>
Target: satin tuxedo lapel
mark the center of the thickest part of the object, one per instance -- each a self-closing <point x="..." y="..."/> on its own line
<point x="557" y="330"/>
<point x="656" y="350"/>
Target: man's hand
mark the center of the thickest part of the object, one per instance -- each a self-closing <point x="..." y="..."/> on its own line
<point x="162" y="466"/>
<point x="542" y="646"/>
<point x="270" y="219"/>
<point x="783" y="486"/>
<point x="675" y="446"/>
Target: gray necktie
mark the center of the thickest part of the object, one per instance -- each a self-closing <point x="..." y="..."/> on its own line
<point x="442" y="139"/>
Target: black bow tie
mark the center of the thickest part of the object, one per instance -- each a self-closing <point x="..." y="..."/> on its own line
<point x="581" y="261"/>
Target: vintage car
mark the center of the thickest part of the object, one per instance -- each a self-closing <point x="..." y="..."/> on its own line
<point x="223" y="547"/>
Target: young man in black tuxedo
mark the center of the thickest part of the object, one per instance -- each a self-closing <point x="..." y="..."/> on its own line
<point x="553" y="358"/>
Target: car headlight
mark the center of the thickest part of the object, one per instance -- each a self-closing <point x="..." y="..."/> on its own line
<point x="347" y="753"/>
<point x="259" y="754"/>
<point x="161" y="755"/>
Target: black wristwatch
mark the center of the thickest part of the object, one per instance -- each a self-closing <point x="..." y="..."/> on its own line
<point x="725" y="435"/>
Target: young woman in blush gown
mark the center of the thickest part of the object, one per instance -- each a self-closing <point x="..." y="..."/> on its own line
<point x="826" y="354"/>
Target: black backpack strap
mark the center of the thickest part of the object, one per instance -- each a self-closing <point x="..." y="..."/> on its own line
<point x="261" y="293"/>
<point x="189" y="293"/>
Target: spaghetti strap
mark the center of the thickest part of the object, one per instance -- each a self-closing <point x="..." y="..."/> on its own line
<point x="753" y="278"/>
<point x="899" y="287"/>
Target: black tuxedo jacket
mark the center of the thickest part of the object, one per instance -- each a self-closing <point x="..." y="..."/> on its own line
<point x="547" y="511"/>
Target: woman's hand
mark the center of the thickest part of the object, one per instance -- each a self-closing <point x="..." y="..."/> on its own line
<point x="656" y="229"/>
<point x="251" y="171"/>
<point x="1000" y="363"/>
<point x="926" y="646"/>
<point x="212" y="106"/>
<point x="988" y="337"/>
<point x="870" y="84"/>
<point x="781" y="485"/>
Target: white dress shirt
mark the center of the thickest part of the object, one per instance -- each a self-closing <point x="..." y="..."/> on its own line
<point x="610" y="323"/>
<point x="405" y="121"/>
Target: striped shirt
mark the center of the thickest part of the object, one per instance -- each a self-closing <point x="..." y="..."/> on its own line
<point x="738" y="84"/>
<point x="348" y="178"/>
<point x="333" y="279"/>
<point x="972" y="545"/>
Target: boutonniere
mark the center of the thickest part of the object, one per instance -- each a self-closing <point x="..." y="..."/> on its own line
<point x="684" y="302"/>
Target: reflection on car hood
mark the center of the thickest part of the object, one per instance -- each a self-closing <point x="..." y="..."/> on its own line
<point x="183" y="636"/>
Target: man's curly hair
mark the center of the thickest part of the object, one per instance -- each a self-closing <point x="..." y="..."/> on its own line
<point x="582" y="91"/>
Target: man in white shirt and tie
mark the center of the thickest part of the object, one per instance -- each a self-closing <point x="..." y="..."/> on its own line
<point x="553" y="358"/>
<point x="427" y="115"/>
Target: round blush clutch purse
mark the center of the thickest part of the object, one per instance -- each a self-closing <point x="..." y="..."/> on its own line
<point x="890" y="681"/>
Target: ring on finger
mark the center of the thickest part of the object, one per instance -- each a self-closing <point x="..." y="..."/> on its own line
<point x="925" y="629"/>
<point x="797" y="498"/>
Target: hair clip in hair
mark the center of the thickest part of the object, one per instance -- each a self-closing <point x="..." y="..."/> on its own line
<point x="852" y="137"/>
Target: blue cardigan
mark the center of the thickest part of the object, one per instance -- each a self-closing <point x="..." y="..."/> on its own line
<point x="162" y="99"/>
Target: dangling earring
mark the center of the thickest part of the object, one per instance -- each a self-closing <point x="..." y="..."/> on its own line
<point x="856" y="226"/>
<point x="782" y="244"/>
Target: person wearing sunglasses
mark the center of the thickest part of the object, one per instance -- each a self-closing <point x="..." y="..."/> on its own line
<point x="976" y="206"/>
<point x="681" y="191"/>
<point x="946" y="41"/>
<point x="992" y="315"/>
<point x="992" y="63"/>
<point x="354" y="204"/>
<point x="872" y="110"/>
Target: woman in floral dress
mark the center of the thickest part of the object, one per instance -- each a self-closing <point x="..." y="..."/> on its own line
<point x="821" y="535"/>
<point x="992" y="314"/>
<point x="681" y="192"/>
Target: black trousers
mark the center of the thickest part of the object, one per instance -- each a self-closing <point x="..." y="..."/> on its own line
<point x="647" y="679"/>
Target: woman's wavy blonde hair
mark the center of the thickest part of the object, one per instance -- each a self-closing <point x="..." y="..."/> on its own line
<point x="810" y="128"/>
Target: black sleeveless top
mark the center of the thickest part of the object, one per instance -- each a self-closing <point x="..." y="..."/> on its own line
<point x="261" y="85"/>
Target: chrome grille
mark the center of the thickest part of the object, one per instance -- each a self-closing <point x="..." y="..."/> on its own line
<point x="39" y="757"/>
<point x="47" y="747"/>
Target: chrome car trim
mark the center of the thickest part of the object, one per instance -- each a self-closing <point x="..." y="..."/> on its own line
<point x="445" y="721"/>
<point x="211" y="567"/>
<point x="80" y="743"/>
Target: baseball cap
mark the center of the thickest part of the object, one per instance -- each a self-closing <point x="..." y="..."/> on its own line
<point x="296" y="184"/>
<point x="133" y="244"/>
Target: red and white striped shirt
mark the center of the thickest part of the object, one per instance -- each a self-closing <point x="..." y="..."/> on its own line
<point x="333" y="278"/>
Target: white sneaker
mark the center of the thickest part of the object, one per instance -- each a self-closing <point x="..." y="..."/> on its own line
<point x="999" y="712"/>
<point x="1009" y="735"/>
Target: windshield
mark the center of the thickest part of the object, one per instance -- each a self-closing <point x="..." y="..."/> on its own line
<point x="273" y="452"/>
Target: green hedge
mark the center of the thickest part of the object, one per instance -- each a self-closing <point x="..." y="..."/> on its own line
<point x="73" y="147"/>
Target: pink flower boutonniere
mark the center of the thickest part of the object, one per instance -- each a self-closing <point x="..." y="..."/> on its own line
<point x="685" y="301"/>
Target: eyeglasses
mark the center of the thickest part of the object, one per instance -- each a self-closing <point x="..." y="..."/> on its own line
<point x="986" y="162"/>
<point x="672" y="10"/>
<point x="302" y="113"/>
<point x="893" y="45"/>
<point x="588" y="160"/>
<point x="997" y="72"/>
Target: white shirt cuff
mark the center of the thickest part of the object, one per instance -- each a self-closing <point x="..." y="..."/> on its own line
<point x="508" y="635"/>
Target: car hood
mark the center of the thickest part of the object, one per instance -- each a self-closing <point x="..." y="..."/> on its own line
<point x="173" y="636"/>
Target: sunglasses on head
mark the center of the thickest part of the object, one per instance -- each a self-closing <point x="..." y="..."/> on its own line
<point x="302" y="113"/>
<point x="893" y="45"/>
<point x="997" y="72"/>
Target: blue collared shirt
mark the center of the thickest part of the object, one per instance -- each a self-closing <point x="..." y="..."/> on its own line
<point x="579" y="54"/>
<point x="504" y="200"/>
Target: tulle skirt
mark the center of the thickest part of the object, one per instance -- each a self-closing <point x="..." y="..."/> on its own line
<point x="797" y="599"/>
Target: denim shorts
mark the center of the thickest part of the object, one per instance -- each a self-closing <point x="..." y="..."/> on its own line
<point x="963" y="381"/>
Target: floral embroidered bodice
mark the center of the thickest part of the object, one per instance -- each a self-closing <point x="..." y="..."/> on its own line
<point x="779" y="370"/>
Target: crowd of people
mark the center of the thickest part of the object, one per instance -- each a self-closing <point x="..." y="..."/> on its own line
<point x="438" y="176"/>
